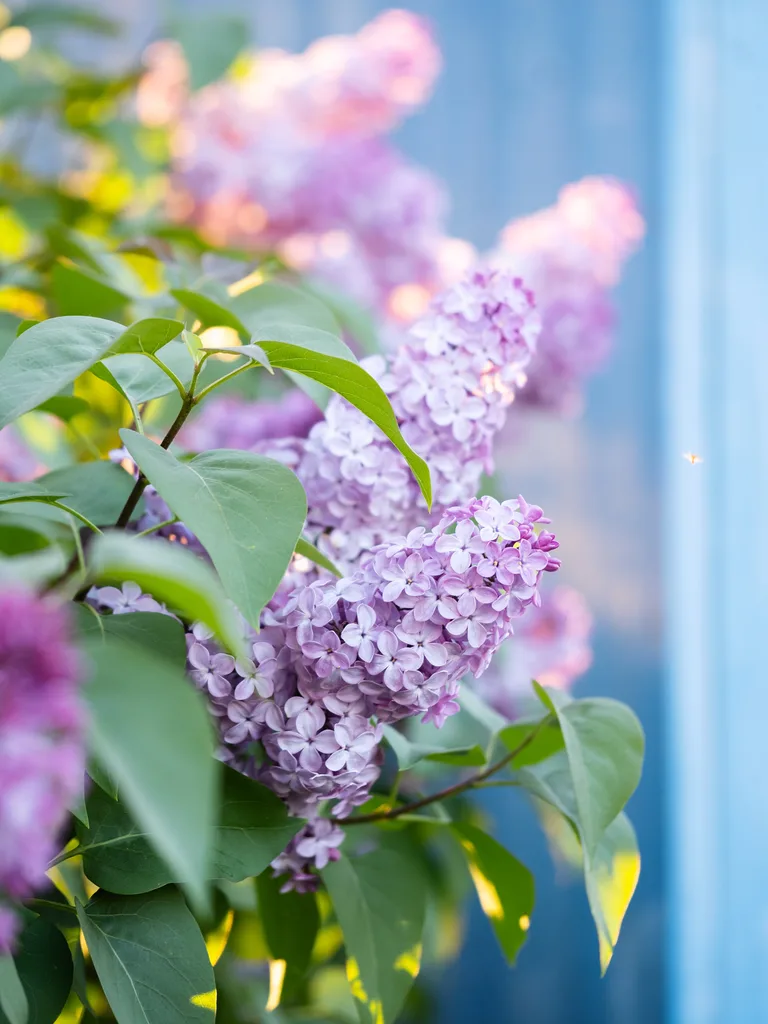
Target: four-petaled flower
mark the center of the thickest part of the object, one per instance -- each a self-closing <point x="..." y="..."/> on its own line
<point x="362" y="634"/>
<point x="328" y="653"/>
<point x="210" y="670"/>
<point x="394" y="660"/>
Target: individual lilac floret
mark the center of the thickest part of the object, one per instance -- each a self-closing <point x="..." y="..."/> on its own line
<point x="450" y="389"/>
<point x="314" y="846"/>
<point x="551" y="645"/>
<point x="42" y="758"/>
<point x="571" y="254"/>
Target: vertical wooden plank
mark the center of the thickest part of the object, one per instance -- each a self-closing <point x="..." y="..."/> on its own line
<point x="717" y="366"/>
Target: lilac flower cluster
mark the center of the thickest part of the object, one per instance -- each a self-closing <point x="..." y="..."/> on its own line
<point x="551" y="645"/>
<point x="571" y="254"/>
<point x="291" y="156"/>
<point x="42" y="757"/>
<point x="235" y="422"/>
<point x="450" y="389"/>
<point x="336" y="658"/>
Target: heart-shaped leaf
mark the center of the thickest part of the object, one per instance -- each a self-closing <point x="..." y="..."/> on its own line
<point x="248" y="512"/>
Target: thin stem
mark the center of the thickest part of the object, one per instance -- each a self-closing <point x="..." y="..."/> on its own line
<point x="169" y="373"/>
<point x="496" y="782"/>
<point x="76" y="514"/>
<point x="224" y="379"/>
<point x="187" y="404"/>
<point x="157" y="526"/>
<point x="473" y="782"/>
<point x="64" y="855"/>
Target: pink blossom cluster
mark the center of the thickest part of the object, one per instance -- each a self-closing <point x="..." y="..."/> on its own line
<point x="291" y="156"/>
<point x="551" y="645"/>
<point x="42" y="758"/>
<point x="571" y="254"/>
<point x="449" y="388"/>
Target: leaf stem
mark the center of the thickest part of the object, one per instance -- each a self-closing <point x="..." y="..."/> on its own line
<point x="76" y="514"/>
<point x="222" y="380"/>
<point x="169" y="373"/>
<point x="474" y="782"/>
<point x="157" y="526"/>
<point x="187" y="404"/>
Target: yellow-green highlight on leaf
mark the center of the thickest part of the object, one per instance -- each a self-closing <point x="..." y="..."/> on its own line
<point x="276" y="978"/>
<point x="611" y="880"/>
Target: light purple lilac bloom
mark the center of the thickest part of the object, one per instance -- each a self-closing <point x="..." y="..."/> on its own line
<point x="571" y="255"/>
<point x="335" y="659"/>
<point x="230" y="421"/>
<point x="42" y="758"/>
<point x="450" y="389"/>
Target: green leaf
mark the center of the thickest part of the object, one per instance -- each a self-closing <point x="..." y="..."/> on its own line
<point x="409" y="754"/>
<point x="380" y="901"/>
<point x="97" y="490"/>
<point x="172" y="575"/>
<point x="48" y="356"/>
<point x="148" y="335"/>
<point x="139" y="379"/>
<point x="80" y="293"/>
<point x="611" y="873"/>
<point x="16" y="539"/>
<point x="291" y="922"/>
<point x="253" y="352"/>
<point x="64" y="407"/>
<point x="358" y="387"/>
<point x="208" y="311"/>
<point x="275" y="302"/>
<point x="307" y="550"/>
<point x="159" y="633"/>
<point x="247" y="511"/>
<point x="611" y="882"/>
<point x="547" y="740"/>
<point x="13" y="998"/>
<point x="504" y="887"/>
<point x="44" y="967"/>
<point x="151" y="731"/>
<point x="210" y="44"/>
<point x="150" y="957"/>
<point x="33" y="569"/>
<point x="356" y="321"/>
<point x="253" y="828"/>
<point x="604" y="744"/>
<point x="29" y="491"/>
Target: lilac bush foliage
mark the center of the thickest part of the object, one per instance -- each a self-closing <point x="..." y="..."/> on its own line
<point x="42" y="760"/>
